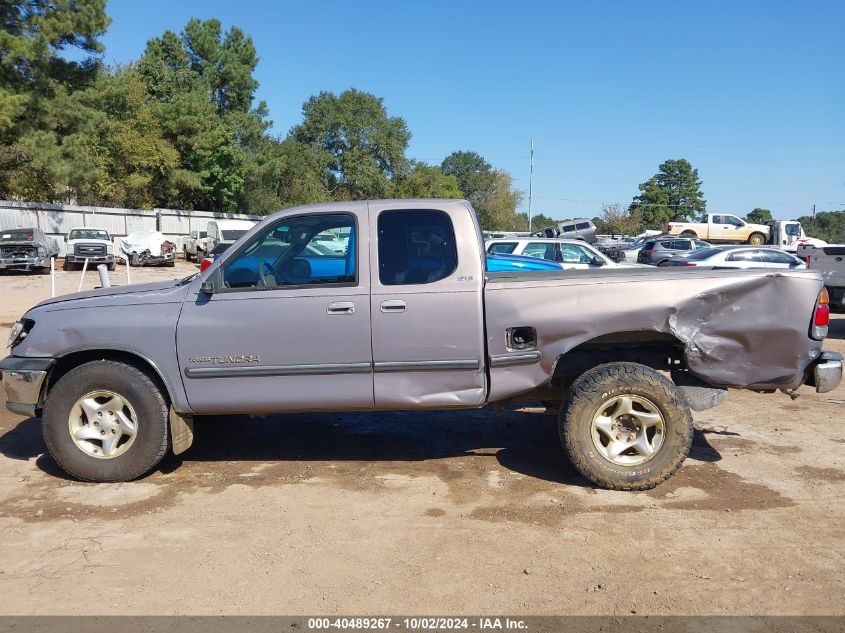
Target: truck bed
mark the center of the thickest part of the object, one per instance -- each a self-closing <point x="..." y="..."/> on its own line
<point x="734" y="328"/>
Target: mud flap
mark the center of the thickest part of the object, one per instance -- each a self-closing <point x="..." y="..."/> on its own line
<point x="181" y="432"/>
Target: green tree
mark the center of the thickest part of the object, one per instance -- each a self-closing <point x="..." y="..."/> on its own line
<point x="826" y="225"/>
<point x="759" y="216"/>
<point x="619" y="220"/>
<point x="203" y="88"/>
<point x="426" y="181"/>
<point x="33" y="37"/>
<point x="673" y="193"/>
<point x="489" y="191"/>
<point x="43" y="121"/>
<point x="283" y="174"/>
<point x="366" y="146"/>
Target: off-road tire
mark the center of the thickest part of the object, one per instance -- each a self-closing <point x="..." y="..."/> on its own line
<point x="133" y="385"/>
<point x="757" y="239"/>
<point x="583" y="400"/>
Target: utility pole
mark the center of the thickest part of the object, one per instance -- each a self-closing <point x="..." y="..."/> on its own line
<point x="530" y="182"/>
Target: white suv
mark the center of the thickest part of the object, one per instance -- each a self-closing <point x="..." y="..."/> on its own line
<point x="572" y="254"/>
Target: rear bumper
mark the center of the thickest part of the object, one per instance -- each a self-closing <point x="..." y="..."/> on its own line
<point x="825" y="373"/>
<point x="22" y="380"/>
<point x="24" y="263"/>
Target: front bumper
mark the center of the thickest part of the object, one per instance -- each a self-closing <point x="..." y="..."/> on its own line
<point x="24" y="263"/>
<point x="22" y="380"/>
<point x="825" y="373"/>
<point x="97" y="259"/>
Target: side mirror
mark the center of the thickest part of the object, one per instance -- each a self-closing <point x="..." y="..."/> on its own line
<point x="65" y="238"/>
<point x="207" y="287"/>
<point x="597" y="262"/>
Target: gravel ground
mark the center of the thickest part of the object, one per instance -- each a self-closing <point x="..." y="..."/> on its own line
<point x="415" y="513"/>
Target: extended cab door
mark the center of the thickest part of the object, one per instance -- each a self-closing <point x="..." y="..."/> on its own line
<point x="427" y="311"/>
<point x="287" y="327"/>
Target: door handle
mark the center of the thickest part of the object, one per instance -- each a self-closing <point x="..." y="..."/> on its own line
<point x="397" y="305"/>
<point x="341" y="307"/>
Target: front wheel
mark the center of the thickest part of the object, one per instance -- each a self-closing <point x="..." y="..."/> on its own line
<point x="625" y="426"/>
<point x="106" y="421"/>
<point x="757" y="239"/>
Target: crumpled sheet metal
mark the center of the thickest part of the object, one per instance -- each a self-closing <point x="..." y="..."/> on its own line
<point x="741" y="329"/>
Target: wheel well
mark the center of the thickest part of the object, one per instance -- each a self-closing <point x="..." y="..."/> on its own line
<point x="690" y="233"/>
<point x="75" y="359"/>
<point x="662" y="352"/>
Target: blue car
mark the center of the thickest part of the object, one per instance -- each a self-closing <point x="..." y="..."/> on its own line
<point x="519" y="263"/>
<point x="246" y="269"/>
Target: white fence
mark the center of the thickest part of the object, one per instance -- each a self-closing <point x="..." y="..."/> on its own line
<point x="57" y="219"/>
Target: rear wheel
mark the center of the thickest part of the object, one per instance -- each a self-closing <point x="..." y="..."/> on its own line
<point x="689" y="234"/>
<point x="664" y="263"/>
<point x="106" y="421"/>
<point x="757" y="239"/>
<point x="625" y="426"/>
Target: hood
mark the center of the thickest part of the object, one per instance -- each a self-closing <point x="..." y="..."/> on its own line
<point x="150" y="293"/>
<point x="6" y="243"/>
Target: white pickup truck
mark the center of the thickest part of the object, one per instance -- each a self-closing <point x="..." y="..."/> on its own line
<point x="721" y="227"/>
<point x="829" y="260"/>
<point x="195" y="245"/>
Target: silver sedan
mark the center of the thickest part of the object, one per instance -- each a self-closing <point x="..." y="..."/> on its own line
<point x="738" y="257"/>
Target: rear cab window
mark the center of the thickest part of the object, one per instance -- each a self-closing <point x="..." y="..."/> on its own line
<point x="415" y="247"/>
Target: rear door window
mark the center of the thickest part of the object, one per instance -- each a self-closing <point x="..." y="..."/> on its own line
<point x="745" y="256"/>
<point x="568" y="228"/>
<point x="502" y="248"/>
<point x="682" y="245"/>
<point x="582" y="225"/>
<point x="543" y="250"/>
<point x="415" y="247"/>
<point x="776" y="257"/>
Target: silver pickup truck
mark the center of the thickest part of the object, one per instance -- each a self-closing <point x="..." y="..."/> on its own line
<point x="405" y="316"/>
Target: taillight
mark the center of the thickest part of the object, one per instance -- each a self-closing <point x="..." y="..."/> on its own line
<point x="821" y="316"/>
<point x="648" y="252"/>
<point x="688" y="265"/>
<point x="807" y="260"/>
<point x="205" y="263"/>
<point x="668" y="228"/>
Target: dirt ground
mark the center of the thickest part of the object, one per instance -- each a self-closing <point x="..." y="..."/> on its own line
<point x="408" y="513"/>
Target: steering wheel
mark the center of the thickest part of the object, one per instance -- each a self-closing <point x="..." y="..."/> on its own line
<point x="262" y="278"/>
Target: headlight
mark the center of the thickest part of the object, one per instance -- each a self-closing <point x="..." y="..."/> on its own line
<point x="109" y="249"/>
<point x="19" y="331"/>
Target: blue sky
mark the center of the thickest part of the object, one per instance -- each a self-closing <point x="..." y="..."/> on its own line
<point x="752" y="93"/>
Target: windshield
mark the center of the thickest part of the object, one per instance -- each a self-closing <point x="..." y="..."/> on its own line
<point x="231" y="236"/>
<point x="89" y="234"/>
<point x="18" y="235"/>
